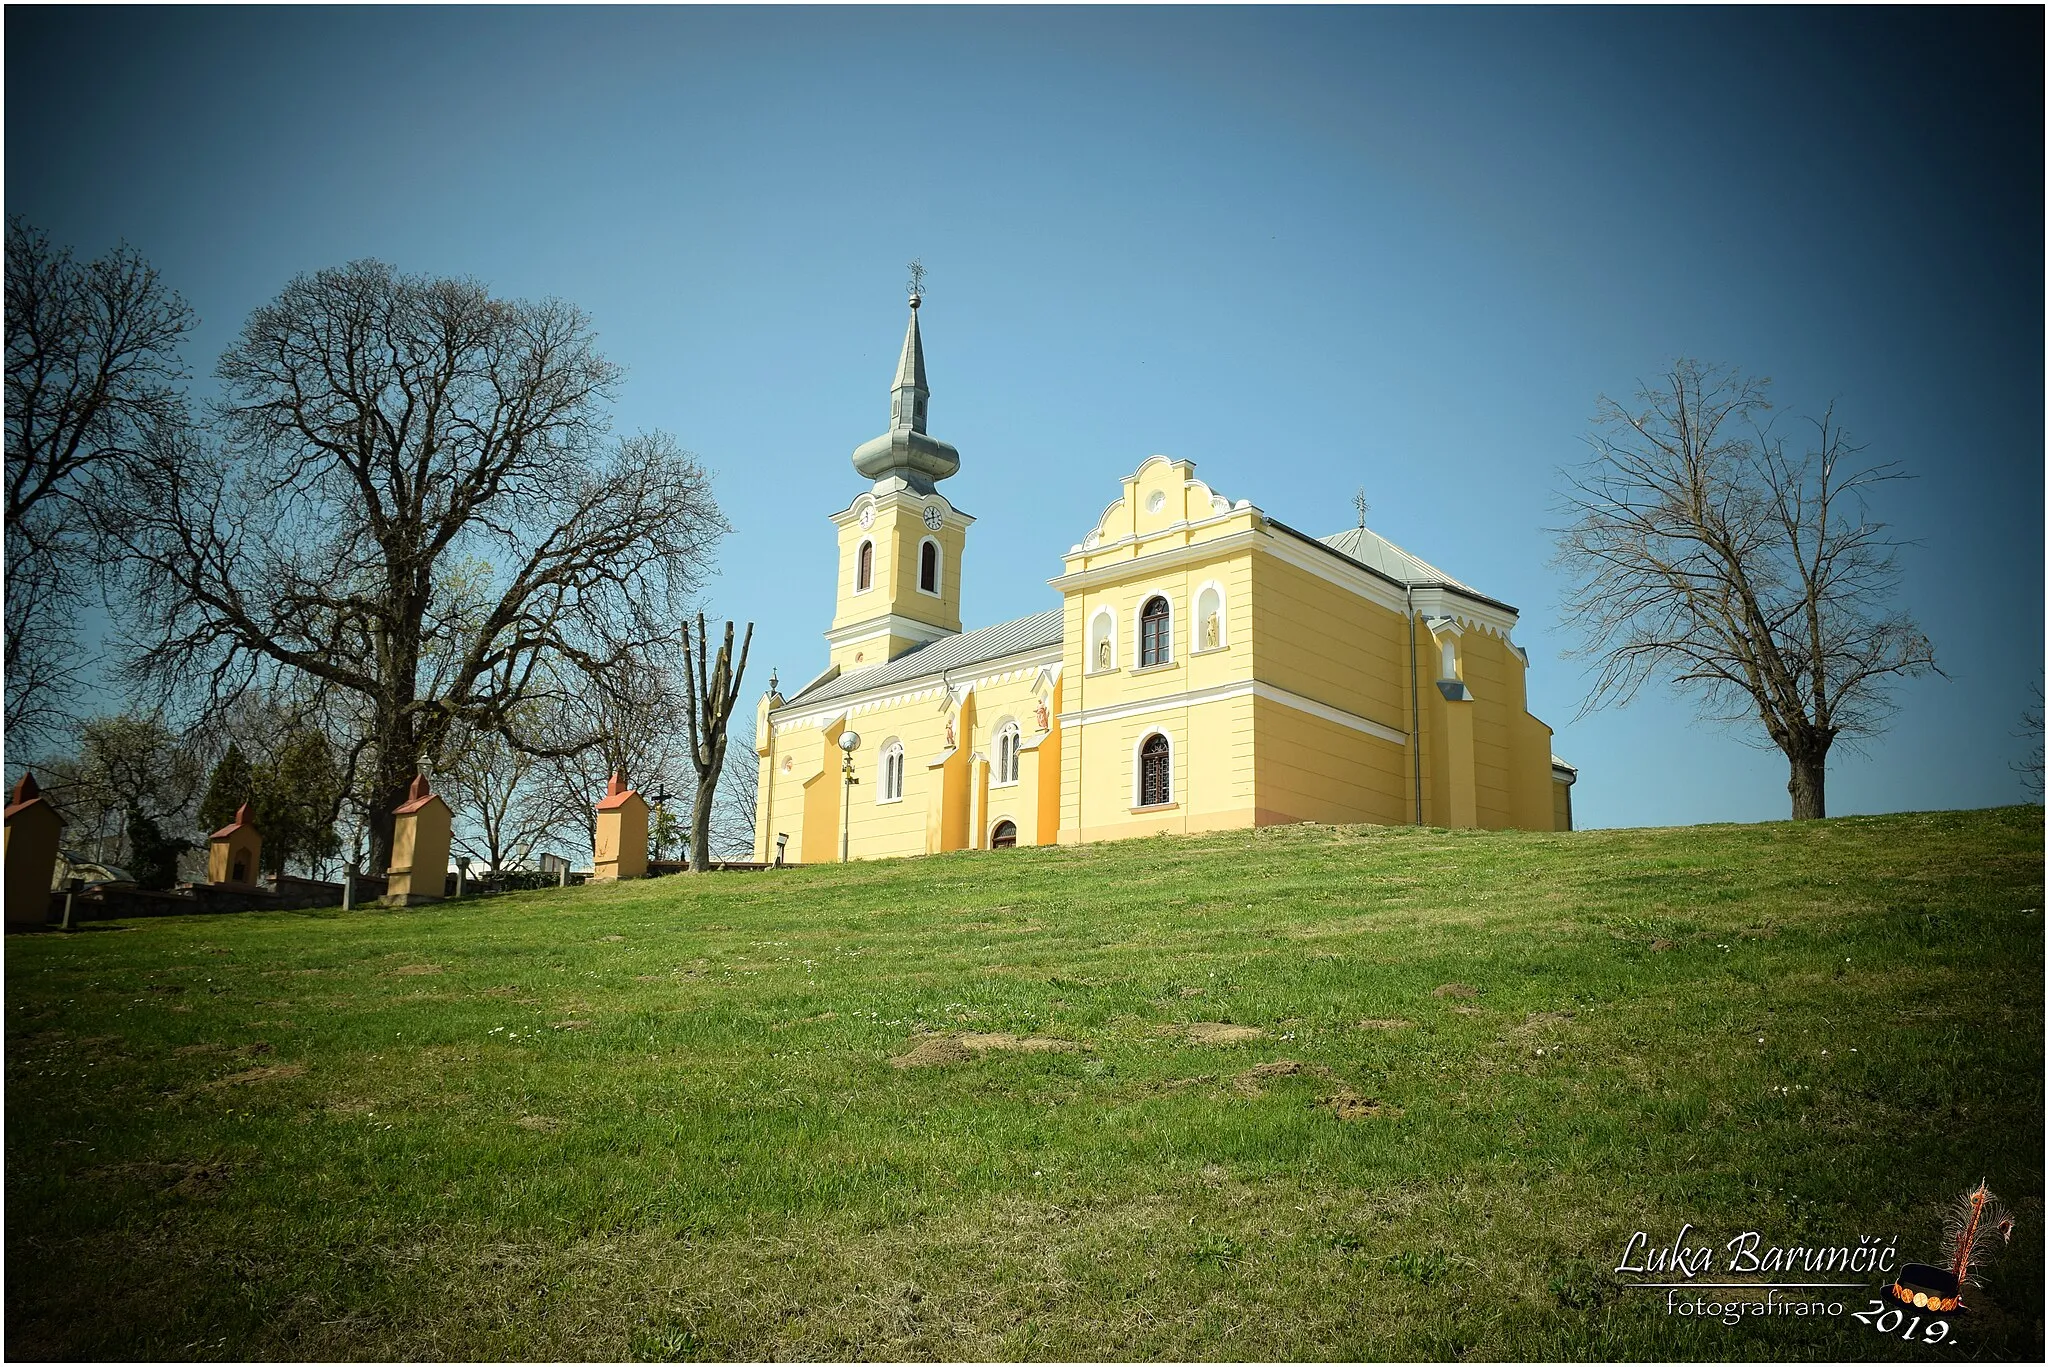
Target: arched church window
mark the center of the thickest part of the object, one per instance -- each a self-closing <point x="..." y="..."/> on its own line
<point x="1450" y="659"/>
<point x="928" y="566"/>
<point x="1155" y="771"/>
<point x="892" y="772"/>
<point x="864" y="568"/>
<point x="1008" y="743"/>
<point x="1155" y="625"/>
<point x="1004" y="836"/>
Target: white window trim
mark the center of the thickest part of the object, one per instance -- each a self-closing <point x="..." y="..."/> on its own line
<point x="891" y="749"/>
<point x="1089" y="643"/>
<point x="1138" y="802"/>
<point x="1138" y="630"/>
<point x="1195" y="646"/>
<point x="997" y="822"/>
<point x="869" y="542"/>
<point x="1010" y="725"/>
<point x="938" y="567"/>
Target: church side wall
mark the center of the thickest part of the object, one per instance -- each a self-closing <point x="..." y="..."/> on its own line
<point x="1322" y="642"/>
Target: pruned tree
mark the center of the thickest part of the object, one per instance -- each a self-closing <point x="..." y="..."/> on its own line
<point x="1703" y="552"/>
<point x="413" y="504"/>
<point x="92" y="370"/>
<point x="710" y="690"/>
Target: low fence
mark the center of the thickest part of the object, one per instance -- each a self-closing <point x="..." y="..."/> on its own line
<point x="288" y="893"/>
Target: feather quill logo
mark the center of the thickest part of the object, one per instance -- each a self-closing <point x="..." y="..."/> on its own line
<point x="1975" y="1229"/>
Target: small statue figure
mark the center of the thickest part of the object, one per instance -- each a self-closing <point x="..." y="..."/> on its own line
<point x="1102" y="653"/>
<point x="949" y="734"/>
<point x="1209" y="632"/>
<point x="1042" y="724"/>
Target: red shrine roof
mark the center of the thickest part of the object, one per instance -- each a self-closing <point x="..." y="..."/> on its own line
<point x="616" y="793"/>
<point x="242" y="821"/>
<point x="417" y="796"/>
<point x="26" y="795"/>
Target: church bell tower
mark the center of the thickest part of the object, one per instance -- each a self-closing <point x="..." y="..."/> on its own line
<point x="900" y="540"/>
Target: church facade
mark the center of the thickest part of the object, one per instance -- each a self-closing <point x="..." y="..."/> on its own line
<point x="1208" y="667"/>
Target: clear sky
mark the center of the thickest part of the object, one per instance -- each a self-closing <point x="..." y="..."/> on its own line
<point x="1307" y="249"/>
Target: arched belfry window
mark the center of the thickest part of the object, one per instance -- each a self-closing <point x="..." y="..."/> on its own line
<point x="864" y="568"/>
<point x="1155" y="771"/>
<point x="1009" y="740"/>
<point x="1155" y="633"/>
<point x="928" y="566"/>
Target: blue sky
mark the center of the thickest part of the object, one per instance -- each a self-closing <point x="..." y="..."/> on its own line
<point x="1307" y="249"/>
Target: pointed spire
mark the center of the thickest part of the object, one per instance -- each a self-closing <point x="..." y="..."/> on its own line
<point x="242" y="815"/>
<point x="419" y="789"/>
<point x="905" y="453"/>
<point x="908" y="397"/>
<point x="25" y="789"/>
<point x="617" y="786"/>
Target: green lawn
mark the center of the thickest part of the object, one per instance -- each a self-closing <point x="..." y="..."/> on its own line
<point x="972" y="1106"/>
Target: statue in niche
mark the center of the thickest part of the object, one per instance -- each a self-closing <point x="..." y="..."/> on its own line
<point x="949" y="734"/>
<point x="1042" y="720"/>
<point x="1210" y="632"/>
<point x="1102" y="653"/>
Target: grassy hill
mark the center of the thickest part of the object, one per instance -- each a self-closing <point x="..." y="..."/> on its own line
<point x="1325" y="1092"/>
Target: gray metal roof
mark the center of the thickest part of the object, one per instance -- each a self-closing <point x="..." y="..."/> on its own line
<point x="1370" y="548"/>
<point x="1035" y="632"/>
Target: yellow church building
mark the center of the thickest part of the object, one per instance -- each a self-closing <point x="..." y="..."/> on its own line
<point x="1208" y="667"/>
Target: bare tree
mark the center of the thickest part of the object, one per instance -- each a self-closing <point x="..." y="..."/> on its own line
<point x="1705" y="554"/>
<point x="415" y="504"/>
<point x="710" y="694"/>
<point x="498" y="791"/>
<point x="735" y="808"/>
<point x="627" y="720"/>
<point x="2029" y="766"/>
<point x="92" y="368"/>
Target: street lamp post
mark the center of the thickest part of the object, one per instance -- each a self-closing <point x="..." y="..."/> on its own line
<point x="849" y="742"/>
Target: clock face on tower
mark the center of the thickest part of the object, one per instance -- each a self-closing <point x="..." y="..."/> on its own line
<point x="933" y="518"/>
<point x="867" y="516"/>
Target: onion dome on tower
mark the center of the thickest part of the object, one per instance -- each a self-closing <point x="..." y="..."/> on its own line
<point x="905" y="457"/>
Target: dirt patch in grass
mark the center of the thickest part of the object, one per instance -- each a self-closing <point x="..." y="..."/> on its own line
<point x="931" y="1051"/>
<point x="249" y="1050"/>
<point x="415" y="970"/>
<point x="538" y="1122"/>
<point x="570" y="1025"/>
<point x="196" y="1181"/>
<point x="1251" y="1081"/>
<point x="270" y="1073"/>
<point x="1349" y="1105"/>
<point x="1659" y="945"/>
<point x="1462" y="990"/>
<point x="1220" y="1032"/>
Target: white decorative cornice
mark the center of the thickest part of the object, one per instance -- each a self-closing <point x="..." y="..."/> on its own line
<point x="1217" y="693"/>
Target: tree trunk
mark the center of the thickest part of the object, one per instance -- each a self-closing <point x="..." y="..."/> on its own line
<point x="700" y="811"/>
<point x="1809" y="786"/>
